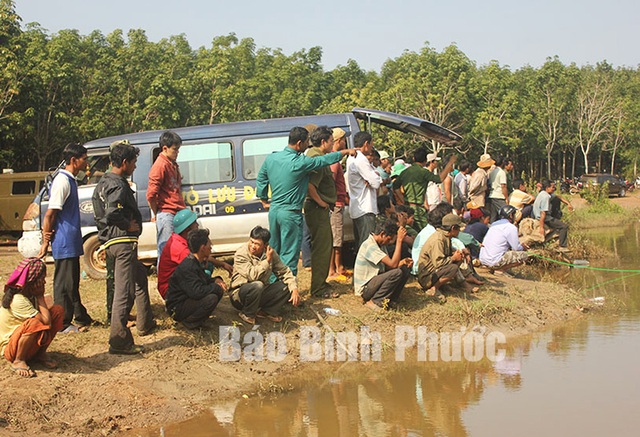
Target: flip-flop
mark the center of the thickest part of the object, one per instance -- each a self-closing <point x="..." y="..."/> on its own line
<point x="134" y="350"/>
<point x="30" y="372"/>
<point x="275" y="319"/>
<point x="71" y="329"/>
<point x="342" y="279"/>
<point x="247" y="319"/>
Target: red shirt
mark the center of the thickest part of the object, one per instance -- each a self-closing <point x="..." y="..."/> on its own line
<point x="164" y="185"/>
<point x="341" y="187"/>
<point x="173" y="253"/>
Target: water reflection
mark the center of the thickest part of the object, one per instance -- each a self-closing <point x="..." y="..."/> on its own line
<point x="579" y="378"/>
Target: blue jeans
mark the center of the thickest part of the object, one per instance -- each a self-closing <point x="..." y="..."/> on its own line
<point x="164" y="227"/>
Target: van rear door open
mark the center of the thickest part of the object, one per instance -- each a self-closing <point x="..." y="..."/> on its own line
<point x="407" y="124"/>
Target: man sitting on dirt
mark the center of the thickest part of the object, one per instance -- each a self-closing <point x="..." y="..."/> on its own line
<point x="521" y="200"/>
<point x="543" y="212"/>
<point x="501" y="249"/>
<point x="176" y="249"/>
<point x="193" y="294"/>
<point x="378" y="278"/>
<point x="253" y="294"/>
<point x="438" y="264"/>
<point x="27" y="323"/>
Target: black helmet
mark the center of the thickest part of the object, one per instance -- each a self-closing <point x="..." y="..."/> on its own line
<point x="507" y="212"/>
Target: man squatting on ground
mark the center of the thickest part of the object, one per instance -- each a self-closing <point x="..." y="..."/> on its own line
<point x="163" y="193"/>
<point x="376" y="277"/>
<point x="501" y="249"/>
<point x="253" y="294"/>
<point x="438" y="264"/>
<point x="119" y="224"/>
<point x="28" y="324"/>
<point x="193" y="294"/>
<point x="287" y="172"/>
<point x="61" y="226"/>
<point x="177" y="249"/>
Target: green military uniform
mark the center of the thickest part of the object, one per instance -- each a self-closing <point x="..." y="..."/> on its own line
<point x="414" y="181"/>
<point x="318" y="221"/>
<point x="287" y="172"/>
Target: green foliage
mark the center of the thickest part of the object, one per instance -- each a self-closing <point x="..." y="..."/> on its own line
<point x="58" y="88"/>
<point x="597" y="196"/>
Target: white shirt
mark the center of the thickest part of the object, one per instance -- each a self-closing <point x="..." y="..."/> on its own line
<point x="60" y="190"/>
<point x="363" y="182"/>
<point x="497" y="178"/>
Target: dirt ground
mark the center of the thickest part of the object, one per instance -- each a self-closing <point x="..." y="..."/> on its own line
<point x="95" y="393"/>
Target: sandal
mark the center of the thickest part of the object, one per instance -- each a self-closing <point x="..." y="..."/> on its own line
<point x="263" y="315"/>
<point x="25" y="372"/>
<point x="133" y="350"/>
<point x="330" y="294"/>
<point x="247" y="319"/>
<point x="341" y="279"/>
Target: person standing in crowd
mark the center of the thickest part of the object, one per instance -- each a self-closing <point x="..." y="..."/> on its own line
<point x="478" y="182"/>
<point x="462" y="181"/>
<point x="336" y="268"/>
<point x="119" y="224"/>
<point x="321" y="197"/>
<point x="363" y="182"/>
<point x="449" y="188"/>
<point x="28" y="324"/>
<point x="193" y="294"/>
<point x="287" y="173"/>
<point x="497" y="186"/>
<point x="163" y="193"/>
<point x="62" y="228"/>
<point x="378" y="278"/>
<point x="252" y="292"/>
<point x="542" y="212"/>
<point x="384" y="170"/>
<point x="410" y="187"/>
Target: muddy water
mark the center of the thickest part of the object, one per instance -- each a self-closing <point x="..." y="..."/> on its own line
<point x="581" y="379"/>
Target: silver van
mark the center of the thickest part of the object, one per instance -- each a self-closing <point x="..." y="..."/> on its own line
<point x="219" y="164"/>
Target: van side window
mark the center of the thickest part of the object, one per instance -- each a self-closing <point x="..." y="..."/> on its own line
<point x="206" y="163"/>
<point x="23" y="187"/>
<point x="97" y="165"/>
<point x="254" y="152"/>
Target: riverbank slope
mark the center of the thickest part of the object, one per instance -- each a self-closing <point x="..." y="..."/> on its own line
<point x="95" y="393"/>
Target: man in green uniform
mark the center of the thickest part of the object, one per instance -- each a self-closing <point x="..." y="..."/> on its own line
<point x="287" y="172"/>
<point x="411" y="185"/>
<point x="320" y="200"/>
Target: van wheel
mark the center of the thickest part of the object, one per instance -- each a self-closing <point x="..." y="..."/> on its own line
<point x="95" y="262"/>
<point x="622" y="192"/>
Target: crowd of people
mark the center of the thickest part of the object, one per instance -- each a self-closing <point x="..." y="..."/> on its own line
<point x="408" y="220"/>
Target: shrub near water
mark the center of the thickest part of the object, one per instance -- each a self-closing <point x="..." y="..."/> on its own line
<point x="597" y="196"/>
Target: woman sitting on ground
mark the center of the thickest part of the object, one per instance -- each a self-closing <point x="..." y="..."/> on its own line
<point x="27" y="324"/>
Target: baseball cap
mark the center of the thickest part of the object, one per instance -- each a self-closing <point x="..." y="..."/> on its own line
<point x="339" y="133"/>
<point x="432" y="157"/>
